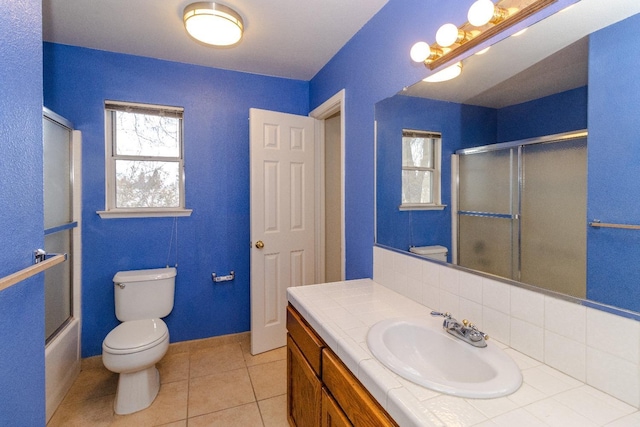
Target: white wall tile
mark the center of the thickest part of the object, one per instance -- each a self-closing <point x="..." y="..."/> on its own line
<point x="471" y="287"/>
<point x="496" y="325"/>
<point x="472" y="311"/>
<point x="613" y="375"/>
<point x="527" y="338"/>
<point x="378" y="254"/>
<point x="431" y="297"/>
<point x="431" y="274"/>
<point x="527" y="305"/>
<point x="450" y="280"/>
<point x="613" y="334"/>
<point x="496" y="295"/>
<point x="450" y="302"/>
<point x="565" y="318"/>
<point x="565" y="355"/>
<point x="414" y="268"/>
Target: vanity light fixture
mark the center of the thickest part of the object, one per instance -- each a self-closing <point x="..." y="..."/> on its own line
<point x="486" y="20"/>
<point x="483" y="12"/>
<point x="213" y="23"/>
<point x="448" y="73"/>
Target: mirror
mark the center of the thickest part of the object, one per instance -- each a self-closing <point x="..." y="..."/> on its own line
<point x="576" y="69"/>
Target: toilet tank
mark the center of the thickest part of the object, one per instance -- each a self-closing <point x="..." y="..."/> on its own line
<point x="144" y="294"/>
<point x="434" y="252"/>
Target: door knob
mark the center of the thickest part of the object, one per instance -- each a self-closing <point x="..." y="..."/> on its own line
<point x="259" y="244"/>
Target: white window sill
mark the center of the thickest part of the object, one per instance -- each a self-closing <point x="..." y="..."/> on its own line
<point x="421" y="207"/>
<point x="143" y="213"/>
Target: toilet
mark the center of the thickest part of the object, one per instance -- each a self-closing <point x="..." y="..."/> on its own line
<point x="134" y="347"/>
<point x="433" y="252"/>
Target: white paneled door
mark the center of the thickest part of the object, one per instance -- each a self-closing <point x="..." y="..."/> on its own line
<point x="282" y="219"/>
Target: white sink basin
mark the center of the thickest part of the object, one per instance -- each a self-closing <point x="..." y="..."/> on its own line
<point x="421" y="351"/>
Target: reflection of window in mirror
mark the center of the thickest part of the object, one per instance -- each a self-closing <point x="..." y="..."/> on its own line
<point x="421" y="169"/>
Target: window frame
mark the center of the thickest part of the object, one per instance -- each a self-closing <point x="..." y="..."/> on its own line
<point x="111" y="210"/>
<point x="436" y="183"/>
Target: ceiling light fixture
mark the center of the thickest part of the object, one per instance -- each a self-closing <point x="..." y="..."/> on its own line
<point x="213" y="23"/>
<point x="486" y="20"/>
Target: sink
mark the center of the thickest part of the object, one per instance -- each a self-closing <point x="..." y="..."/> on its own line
<point x="419" y="350"/>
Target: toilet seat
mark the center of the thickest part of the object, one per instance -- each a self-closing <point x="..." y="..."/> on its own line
<point x="135" y="336"/>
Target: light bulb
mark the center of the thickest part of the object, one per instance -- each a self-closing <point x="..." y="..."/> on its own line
<point x="447" y="35"/>
<point x="420" y="52"/>
<point x="448" y="73"/>
<point x="481" y="12"/>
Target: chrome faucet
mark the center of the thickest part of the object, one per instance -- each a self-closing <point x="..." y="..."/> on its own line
<point x="465" y="331"/>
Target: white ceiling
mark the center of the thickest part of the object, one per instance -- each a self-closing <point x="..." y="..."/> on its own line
<point x="285" y="38"/>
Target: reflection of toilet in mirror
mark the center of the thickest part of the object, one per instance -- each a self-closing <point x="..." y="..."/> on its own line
<point x="436" y="252"/>
<point x="134" y="347"/>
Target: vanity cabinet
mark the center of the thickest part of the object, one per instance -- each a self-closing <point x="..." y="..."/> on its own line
<point x="321" y="391"/>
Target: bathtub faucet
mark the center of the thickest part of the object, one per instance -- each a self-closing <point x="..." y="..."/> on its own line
<point x="465" y="331"/>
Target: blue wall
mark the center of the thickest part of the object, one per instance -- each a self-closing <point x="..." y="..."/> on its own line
<point x="21" y="215"/>
<point x="372" y="66"/>
<point x="216" y="138"/>
<point x="562" y="112"/>
<point x="461" y="126"/>
<point x="613" y="276"/>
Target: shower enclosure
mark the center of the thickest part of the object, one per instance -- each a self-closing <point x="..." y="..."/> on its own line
<point x="521" y="211"/>
<point x="61" y="160"/>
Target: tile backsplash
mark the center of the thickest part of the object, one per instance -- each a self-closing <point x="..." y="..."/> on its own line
<point x="593" y="346"/>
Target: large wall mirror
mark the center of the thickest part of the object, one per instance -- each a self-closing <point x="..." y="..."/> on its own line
<point x="578" y="69"/>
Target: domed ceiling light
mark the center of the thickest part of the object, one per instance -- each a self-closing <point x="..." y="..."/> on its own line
<point x="213" y="23"/>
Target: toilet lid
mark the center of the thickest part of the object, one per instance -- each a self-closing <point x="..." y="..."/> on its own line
<point x="136" y="335"/>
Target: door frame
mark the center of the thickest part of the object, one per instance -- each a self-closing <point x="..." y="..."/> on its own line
<point x="327" y="109"/>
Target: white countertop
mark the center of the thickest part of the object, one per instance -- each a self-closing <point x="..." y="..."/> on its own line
<point x="342" y="313"/>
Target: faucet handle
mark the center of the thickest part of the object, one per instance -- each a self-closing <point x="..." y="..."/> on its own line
<point x="446" y="315"/>
<point x="473" y="327"/>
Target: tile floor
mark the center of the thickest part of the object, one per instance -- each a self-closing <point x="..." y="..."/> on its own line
<point x="212" y="382"/>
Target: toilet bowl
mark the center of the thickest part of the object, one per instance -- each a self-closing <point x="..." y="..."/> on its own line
<point x="132" y="349"/>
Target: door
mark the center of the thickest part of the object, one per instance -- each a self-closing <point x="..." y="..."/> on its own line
<point x="282" y="219"/>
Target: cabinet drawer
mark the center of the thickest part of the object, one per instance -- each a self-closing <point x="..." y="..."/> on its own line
<point x="356" y="402"/>
<point x="303" y="389"/>
<point x="306" y="339"/>
<point x="332" y="415"/>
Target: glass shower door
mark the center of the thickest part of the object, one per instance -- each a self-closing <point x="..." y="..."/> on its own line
<point x="486" y="223"/>
<point x="554" y="216"/>
<point x="58" y="223"/>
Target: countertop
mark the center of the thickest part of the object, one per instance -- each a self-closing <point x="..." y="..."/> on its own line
<point x="342" y="313"/>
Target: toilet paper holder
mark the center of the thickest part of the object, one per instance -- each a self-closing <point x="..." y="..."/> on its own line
<point x="227" y="278"/>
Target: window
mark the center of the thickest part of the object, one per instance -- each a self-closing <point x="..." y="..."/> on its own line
<point x="144" y="161"/>
<point x="421" y="170"/>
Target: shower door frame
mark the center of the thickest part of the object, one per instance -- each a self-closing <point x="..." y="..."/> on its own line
<point x="515" y="214"/>
<point x="63" y="350"/>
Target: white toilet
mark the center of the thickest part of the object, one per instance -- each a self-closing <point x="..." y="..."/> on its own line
<point x="134" y="347"/>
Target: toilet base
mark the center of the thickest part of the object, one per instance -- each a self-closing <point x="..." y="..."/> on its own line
<point x="136" y="390"/>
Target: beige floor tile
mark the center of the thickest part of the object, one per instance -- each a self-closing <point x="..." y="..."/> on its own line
<point x="266" y="357"/>
<point x="269" y="379"/>
<point x="174" y="367"/>
<point x="274" y="411"/>
<point x="81" y="413"/>
<point x="216" y="359"/>
<point x="219" y="391"/>
<point x="170" y="405"/>
<point x="93" y="383"/>
<point x="240" y="416"/>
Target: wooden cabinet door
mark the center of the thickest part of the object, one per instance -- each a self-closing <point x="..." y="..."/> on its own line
<point x="356" y="402"/>
<point x="304" y="389"/>
<point x="332" y="415"/>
